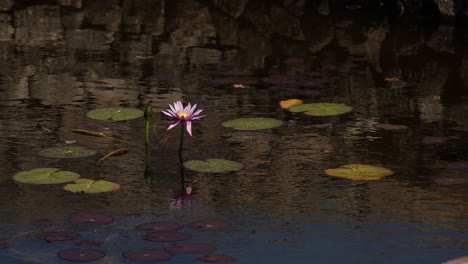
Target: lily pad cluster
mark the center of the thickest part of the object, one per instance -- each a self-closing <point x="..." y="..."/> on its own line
<point x="159" y="232"/>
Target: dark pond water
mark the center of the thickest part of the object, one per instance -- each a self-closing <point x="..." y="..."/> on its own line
<point x="59" y="61"/>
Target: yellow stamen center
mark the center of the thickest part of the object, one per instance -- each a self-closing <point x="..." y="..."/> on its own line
<point x="183" y="114"/>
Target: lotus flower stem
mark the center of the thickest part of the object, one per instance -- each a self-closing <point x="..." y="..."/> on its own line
<point x="181" y="159"/>
<point x="148" y="116"/>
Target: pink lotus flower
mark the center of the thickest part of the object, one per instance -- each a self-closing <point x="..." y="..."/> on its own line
<point x="184" y="115"/>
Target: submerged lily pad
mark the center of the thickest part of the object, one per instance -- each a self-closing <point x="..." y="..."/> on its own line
<point x="115" y="113"/>
<point x="216" y="258"/>
<point x="321" y="109"/>
<point x="190" y="248"/>
<point x="81" y="255"/>
<point x="160" y="226"/>
<point x="5" y="245"/>
<point x="147" y="255"/>
<point x="210" y="225"/>
<point x="51" y="236"/>
<point x="252" y="123"/>
<point x="91" y="186"/>
<point x="167" y="236"/>
<point x="213" y="165"/>
<point x="66" y="152"/>
<point x="98" y="219"/>
<point x="359" y="172"/>
<point x="45" y="176"/>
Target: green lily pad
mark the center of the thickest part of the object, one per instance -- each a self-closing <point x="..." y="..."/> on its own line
<point x="115" y="113"/>
<point x="359" y="172"/>
<point x="91" y="186"/>
<point x="253" y="123"/>
<point x="66" y="152"/>
<point x="321" y="109"/>
<point x="45" y="176"/>
<point x="213" y="165"/>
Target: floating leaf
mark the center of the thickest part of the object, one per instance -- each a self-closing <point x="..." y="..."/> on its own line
<point x="51" y="236"/>
<point x="190" y="248"/>
<point x="391" y="79"/>
<point x="115" y="113"/>
<point x="81" y="255"/>
<point x="391" y="127"/>
<point x="213" y="165"/>
<point x="91" y="186"/>
<point x="210" y="225"/>
<point x="99" y="219"/>
<point x="43" y="222"/>
<point x="461" y="260"/>
<point x="322" y="109"/>
<point x="160" y="226"/>
<point x="216" y="258"/>
<point x="114" y="153"/>
<point x="450" y="181"/>
<point x="167" y="236"/>
<point x="253" y="123"/>
<point x="431" y="140"/>
<point x="5" y="245"/>
<point x="87" y="243"/>
<point x="458" y="165"/>
<point x="66" y="152"/>
<point x="147" y="255"/>
<point x="45" y="176"/>
<point x="289" y="103"/>
<point x="359" y="172"/>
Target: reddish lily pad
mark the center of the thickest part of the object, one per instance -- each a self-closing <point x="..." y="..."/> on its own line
<point x="91" y="186"/>
<point x="147" y="255"/>
<point x="450" y="181"/>
<point x="43" y="222"/>
<point x="66" y="152"/>
<point x="160" y="226"/>
<point x="190" y="248"/>
<point x="430" y="140"/>
<point x="98" y="219"/>
<point x="213" y="165"/>
<point x="459" y="165"/>
<point x="359" y="172"/>
<point x="52" y="236"/>
<point x="322" y="109"/>
<point x="167" y="236"/>
<point x="45" y="176"/>
<point x="115" y="113"/>
<point x="5" y="245"/>
<point x="216" y="258"/>
<point x="391" y="127"/>
<point x="210" y="225"/>
<point x="461" y="260"/>
<point x="81" y="255"/>
<point x="87" y="243"/>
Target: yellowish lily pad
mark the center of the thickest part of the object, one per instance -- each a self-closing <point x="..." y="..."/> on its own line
<point x="321" y="109"/>
<point x="359" y="172"/>
<point x="91" y="186"/>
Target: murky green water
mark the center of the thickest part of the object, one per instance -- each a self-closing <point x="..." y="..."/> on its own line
<point x="60" y="61"/>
